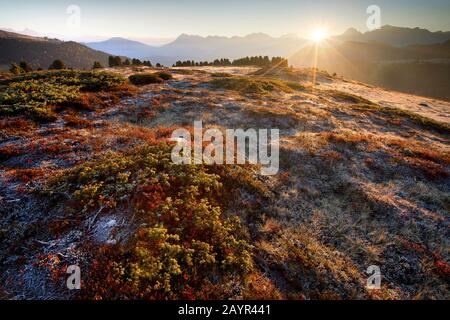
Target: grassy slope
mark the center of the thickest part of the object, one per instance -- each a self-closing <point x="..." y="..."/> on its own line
<point x="359" y="185"/>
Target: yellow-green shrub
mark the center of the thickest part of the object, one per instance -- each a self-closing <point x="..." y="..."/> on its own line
<point x="184" y="241"/>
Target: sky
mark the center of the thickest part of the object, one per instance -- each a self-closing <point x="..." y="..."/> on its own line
<point x="155" y="20"/>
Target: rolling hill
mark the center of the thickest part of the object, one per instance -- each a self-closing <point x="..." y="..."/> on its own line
<point x="41" y="52"/>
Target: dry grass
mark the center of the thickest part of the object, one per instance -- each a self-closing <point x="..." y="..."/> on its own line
<point x="424" y="122"/>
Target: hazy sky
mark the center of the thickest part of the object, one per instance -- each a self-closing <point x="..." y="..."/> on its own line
<point x="169" y="18"/>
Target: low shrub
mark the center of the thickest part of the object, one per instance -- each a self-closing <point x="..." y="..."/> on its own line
<point x="145" y="78"/>
<point x="10" y="151"/>
<point x="255" y="86"/>
<point x="164" y="75"/>
<point x="183" y="71"/>
<point x="75" y="121"/>
<point x="331" y="155"/>
<point x="16" y="126"/>
<point x="221" y="75"/>
<point x="27" y="175"/>
<point x="184" y="241"/>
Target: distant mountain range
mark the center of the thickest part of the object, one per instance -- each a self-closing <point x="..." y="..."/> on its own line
<point x="395" y="36"/>
<point x="41" y="52"/>
<point x="191" y="47"/>
<point x="122" y="47"/>
<point x="418" y="69"/>
<point x="333" y="52"/>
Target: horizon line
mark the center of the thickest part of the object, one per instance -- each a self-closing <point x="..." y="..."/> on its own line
<point x="166" y="40"/>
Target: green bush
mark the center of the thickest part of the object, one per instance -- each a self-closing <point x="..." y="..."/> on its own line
<point x="57" y="65"/>
<point x="34" y="93"/>
<point x="164" y="75"/>
<point x="97" y="65"/>
<point x="114" y="61"/>
<point x="145" y="78"/>
<point x="26" y="67"/>
<point x="86" y="80"/>
<point x="255" y="86"/>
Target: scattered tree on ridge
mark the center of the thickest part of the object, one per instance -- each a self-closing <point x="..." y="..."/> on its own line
<point x="57" y="65"/>
<point x="115" y="61"/>
<point x="97" y="65"/>
<point x="26" y="67"/>
<point x="15" y="69"/>
<point x="247" y="61"/>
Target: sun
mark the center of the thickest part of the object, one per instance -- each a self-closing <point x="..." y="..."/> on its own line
<point x="318" y="35"/>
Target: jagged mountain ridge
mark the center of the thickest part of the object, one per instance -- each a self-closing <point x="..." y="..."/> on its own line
<point x="396" y="36"/>
<point x="193" y="47"/>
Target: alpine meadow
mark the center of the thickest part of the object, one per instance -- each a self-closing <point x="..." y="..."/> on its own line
<point x="239" y="152"/>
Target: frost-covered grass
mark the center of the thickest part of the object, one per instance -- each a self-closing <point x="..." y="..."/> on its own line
<point x="359" y="185"/>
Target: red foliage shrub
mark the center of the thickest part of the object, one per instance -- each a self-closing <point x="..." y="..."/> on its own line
<point x="331" y="155"/>
<point x="10" y="151"/>
<point x="164" y="132"/>
<point x="145" y="114"/>
<point x="284" y="177"/>
<point x="55" y="148"/>
<point x="148" y="197"/>
<point x="369" y="162"/>
<point x="155" y="102"/>
<point x="125" y="90"/>
<point x="395" y="122"/>
<point x="417" y="247"/>
<point x="442" y="268"/>
<point x="73" y="120"/>
<point x="431" y="169"/>
<point x="27" y="175"/>
<point x="16" y="125"/>
<point x="87" y="101"/>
